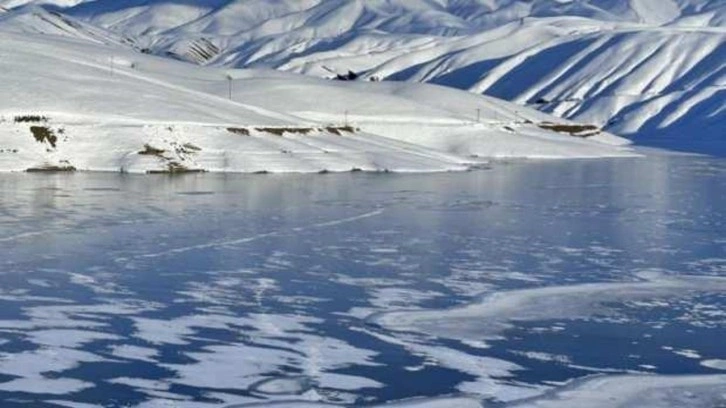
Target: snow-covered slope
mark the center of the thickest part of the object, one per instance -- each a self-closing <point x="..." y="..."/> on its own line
<point x="653" y="70"/>
<point x="648" y="84"/>
<point x="37" y="20"/>
<point x="71" y="102"/>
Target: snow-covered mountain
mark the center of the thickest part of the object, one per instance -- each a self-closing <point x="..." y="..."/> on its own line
<point x="75" y="96"/>
<point x="654" y="70"/>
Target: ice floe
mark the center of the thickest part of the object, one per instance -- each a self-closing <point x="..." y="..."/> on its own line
<point x="283" y="385"/>
<point x="488" y="373"/>
<point x="635" y="391"/>
<point x="131" y="352"/>
<point x="497" y="312"/>
<point x="715" y="364"/>
<point x="30" y="368"/>
<point x="440" y="402"/>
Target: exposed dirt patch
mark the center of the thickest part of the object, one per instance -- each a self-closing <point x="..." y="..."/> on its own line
<point x="173" y="159"/>
<point x="63" y="168"/>
<point x="572" y="130"/>
<point x="202" y="50"/>
<point x="339" y="130"/>
<point x="175" y="168"/>
<point x="43" y="134"/>
<point x="152" y="151"/>
<point x="30" y="119"/>
<point x="280" y="131"/>
<point x="185" y="149"/>
<point x="191" y="148"/>
<point x="239" y="131"/>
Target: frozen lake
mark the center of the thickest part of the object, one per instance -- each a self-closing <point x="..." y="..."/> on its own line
<point x="496" y="286"/>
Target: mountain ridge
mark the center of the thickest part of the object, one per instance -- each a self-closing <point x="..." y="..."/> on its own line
<point x="651" y="70"/>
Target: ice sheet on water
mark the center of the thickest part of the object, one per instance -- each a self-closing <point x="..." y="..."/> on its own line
<point x="157" y="390"/>
<point x="283" y="386"/>
<point x="440" y="402"/>
<point x="71" y="404"/>
<point x="229" y="289"/>
<point x="130" y="352"/>
<point x="399" y="297"/>
<point x="715" y="364"/>
<point x="267" y="344"/>
<point x="688" y="353"/>
<point x="30" y="368"/>
<point x="635" y="391"/>
<point x="487" y="372"/>
<point x="497" y="312"/>
<point x="241" y="366"/>
<point x="227" y="243"/>
<point x="712" y="266"/>
<point x="239" y="304"/>
<point x="546" y="357"/>
<point x="77" y="316"/>
<point x="68" y="338"/>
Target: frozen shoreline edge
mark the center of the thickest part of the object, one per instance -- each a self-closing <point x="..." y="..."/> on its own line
<point x="485" y="165"/>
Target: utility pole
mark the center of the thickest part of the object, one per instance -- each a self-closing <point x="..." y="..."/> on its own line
<point x="478" y="115"/>
<point x="229" y="82"/>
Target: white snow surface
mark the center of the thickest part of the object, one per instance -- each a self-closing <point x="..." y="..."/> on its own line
<point x="73" y="103"/>
<point x="648" y="69"/>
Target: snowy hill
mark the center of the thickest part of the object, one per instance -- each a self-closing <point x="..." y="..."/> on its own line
<point x="77" y="97"/>
<point x="652" y="70"/>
